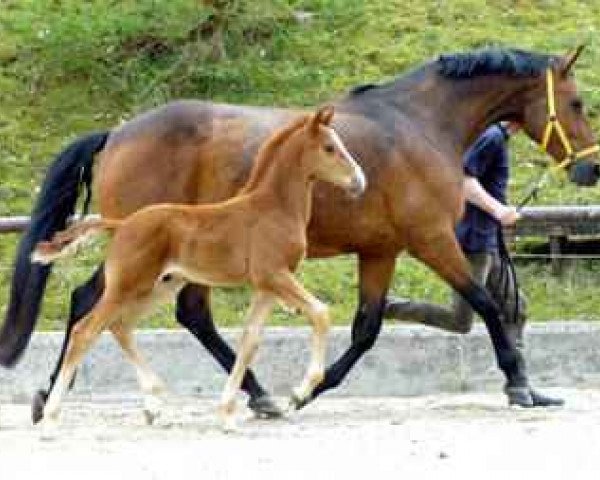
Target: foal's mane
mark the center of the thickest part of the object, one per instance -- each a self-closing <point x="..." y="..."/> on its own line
<point x="493" y="61"/>
<point x="268" y="149"/>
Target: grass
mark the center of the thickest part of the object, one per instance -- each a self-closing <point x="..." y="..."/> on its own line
<point x="69" y="67"/>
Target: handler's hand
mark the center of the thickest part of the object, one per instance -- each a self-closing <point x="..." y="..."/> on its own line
<point x="508" y="215"/>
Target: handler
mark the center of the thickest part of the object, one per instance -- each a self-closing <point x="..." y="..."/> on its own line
<point x="486" y="167"/>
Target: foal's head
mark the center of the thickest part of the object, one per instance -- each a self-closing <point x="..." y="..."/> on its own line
<point x="324" y="156"/>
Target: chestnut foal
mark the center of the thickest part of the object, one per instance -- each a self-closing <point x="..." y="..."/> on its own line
<point x="258" y="237"/>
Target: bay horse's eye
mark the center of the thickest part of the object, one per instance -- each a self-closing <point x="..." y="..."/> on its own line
<point x="329" y="148"/>
<point x="577" y="105"/>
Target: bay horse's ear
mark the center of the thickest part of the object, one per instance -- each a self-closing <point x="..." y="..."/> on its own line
<point x="323" y="116"/>
<point x="569" y="59"/>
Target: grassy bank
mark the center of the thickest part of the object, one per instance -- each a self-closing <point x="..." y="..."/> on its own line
<point x="68" y="67"/>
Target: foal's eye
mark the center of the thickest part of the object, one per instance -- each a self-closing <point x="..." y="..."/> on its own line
<point x="577" y="105"/>
<point x="329" y="148"/>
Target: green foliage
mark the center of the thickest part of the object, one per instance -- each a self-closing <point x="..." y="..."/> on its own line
<point x="71" y="66"/>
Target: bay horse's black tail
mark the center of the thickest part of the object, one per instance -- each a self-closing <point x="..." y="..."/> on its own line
<point x="56" y="202"/>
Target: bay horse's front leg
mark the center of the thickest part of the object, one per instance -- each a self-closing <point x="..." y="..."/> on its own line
<point x="260" y="307"/>
<point x="440" y="251"/>
<point x="375" y="273"/>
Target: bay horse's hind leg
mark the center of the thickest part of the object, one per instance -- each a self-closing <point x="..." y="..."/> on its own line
<point x="442" y="253"/>
<point x="83" y="335"/>
<point x="193" y="312"/>
<point x="294" y="295"/>
<point x="150" y="383"/>
<point x="260" y="307"/>
<point x="83" y="299"/>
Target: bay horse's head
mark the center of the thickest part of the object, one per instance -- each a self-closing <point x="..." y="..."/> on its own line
<point x="554" y="116"/>
<point x="327" y="158"/>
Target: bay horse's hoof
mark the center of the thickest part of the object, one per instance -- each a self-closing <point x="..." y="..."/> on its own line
<point x="541" y="400"/>
<point x="37" y="406"/>
<point x="519" y="397"/>
<point x="264" y="407"/>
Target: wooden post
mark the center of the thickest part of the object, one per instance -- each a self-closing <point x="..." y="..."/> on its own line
<point x="557" y="242"/>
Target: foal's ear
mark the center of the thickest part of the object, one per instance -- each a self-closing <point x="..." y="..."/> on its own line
<point x="323" y="116"/>
<point x="569" y="59"/>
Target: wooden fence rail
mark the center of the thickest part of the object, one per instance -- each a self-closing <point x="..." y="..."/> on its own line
<point x="541" y="221"/>
<point x="557" y="223"/>
<point x="19" y="224"/>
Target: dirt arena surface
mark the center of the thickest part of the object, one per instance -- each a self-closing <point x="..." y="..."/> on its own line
<point x="442" y="436"/>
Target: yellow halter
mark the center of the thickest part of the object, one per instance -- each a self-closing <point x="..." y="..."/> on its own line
<point x="553" y="124"/>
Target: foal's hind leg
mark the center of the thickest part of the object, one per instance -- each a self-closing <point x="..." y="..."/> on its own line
<point x="82" y="337"/>
<point x="294" y="295"/>
<point x="83" y="299"/>
<point x="260" y="307"/>
<point x="150" y="383"/>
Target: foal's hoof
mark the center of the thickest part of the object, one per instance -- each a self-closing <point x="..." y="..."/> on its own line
<point x="297" y="402"/>
<point x="264" y="407"/>
<point x="152" y="409"/>
<point x="229" y="424"/>
<point x="37" y="405"/>
<point x="48" y="429"/>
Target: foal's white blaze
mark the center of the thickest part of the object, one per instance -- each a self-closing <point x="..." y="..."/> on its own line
<point x="359" y="175"/>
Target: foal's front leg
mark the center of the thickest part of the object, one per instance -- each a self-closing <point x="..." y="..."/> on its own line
<point x="294" y="295"/>
<point x="260" y="307"/>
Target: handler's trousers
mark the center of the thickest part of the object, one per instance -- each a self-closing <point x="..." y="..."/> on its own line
<point x="487" y="270"/>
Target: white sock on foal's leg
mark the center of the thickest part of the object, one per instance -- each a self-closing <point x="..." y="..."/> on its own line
<point x="51" y="420"/>
<point x="319" y="314"/>
<point x="153" y="388"/>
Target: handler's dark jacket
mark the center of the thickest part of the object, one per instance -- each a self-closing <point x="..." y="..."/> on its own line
<point x="487" y="161"/>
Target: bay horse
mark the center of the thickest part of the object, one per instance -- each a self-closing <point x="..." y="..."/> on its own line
<point x="409" y="135"/>
<point x="258" y="237"/>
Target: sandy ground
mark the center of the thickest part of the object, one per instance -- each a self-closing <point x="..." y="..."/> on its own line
<point x="424" y="437"/>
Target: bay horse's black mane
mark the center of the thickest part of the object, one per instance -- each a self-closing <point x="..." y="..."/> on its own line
<point x="493" y="61"/>
<point x="488" y="61"/>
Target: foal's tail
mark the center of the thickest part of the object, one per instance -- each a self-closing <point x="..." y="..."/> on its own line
<point x="65" y="243"/>
<point x="66" y="177"/>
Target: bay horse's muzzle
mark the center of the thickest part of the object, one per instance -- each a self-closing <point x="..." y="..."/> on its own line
<point x="584" y="173"/>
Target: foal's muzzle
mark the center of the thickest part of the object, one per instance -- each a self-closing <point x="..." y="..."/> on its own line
<point x="358" y="186"/>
